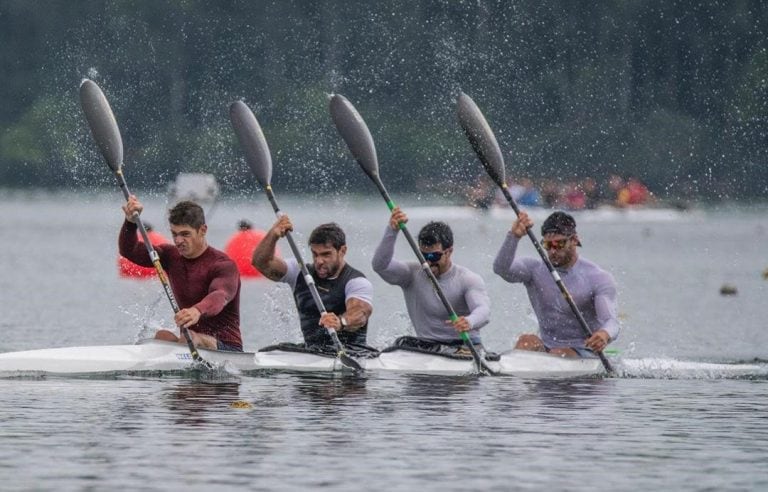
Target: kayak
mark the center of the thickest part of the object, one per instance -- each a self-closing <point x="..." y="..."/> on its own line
<point x="513" y="362"/>
<point x="157" y="355"/>
<point x="147" y="355"/>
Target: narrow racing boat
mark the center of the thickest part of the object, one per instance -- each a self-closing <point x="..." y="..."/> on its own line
<point x="156" y="355"/>
<point x="148" y="355"/>
<point x="513" y="363"/>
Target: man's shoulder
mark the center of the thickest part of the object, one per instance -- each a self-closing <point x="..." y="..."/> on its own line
<point x="594" y="270"/>
<point x="218" y="254"/>
<point x="220" y="258"/>
<point x="352" y="272"/>
<point x="467" y="275"/>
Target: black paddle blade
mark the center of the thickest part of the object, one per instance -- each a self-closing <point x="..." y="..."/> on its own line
<point x="102" y="122"/>
<point x="481" y="137"/>
<point x="252" y="141"/>
<point x="355" y="133"/>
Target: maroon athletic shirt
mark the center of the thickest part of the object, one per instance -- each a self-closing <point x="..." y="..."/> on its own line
<point x="210" y="282"/>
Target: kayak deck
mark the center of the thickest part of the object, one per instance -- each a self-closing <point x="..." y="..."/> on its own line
<point x="156" y="355"/>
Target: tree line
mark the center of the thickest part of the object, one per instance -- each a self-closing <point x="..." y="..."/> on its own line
<point x="673" y="92"/>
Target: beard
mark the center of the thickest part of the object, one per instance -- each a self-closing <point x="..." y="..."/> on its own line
<point x="561" y="259"/>
<point x="328" y="270"/>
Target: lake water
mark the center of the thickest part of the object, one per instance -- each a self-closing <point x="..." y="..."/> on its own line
<point x="665" y="421"/>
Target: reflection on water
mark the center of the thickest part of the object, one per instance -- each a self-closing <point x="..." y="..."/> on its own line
<point x="329" y="390"/>
<point x="435" y="394"/>
<point x="196" y="402"/>
<point x="569" y="393"/>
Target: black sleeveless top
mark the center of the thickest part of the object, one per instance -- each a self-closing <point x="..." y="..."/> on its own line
<point x="332" y="293"/>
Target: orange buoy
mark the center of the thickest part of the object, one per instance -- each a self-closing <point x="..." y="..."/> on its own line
<point x="131" y="270"/>
<point x="240" y="248"/>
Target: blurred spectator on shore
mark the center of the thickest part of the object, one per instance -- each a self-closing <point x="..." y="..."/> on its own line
<point x="550" y="193"/>
<point x="575" y="194"/>
<point x="614" y="185"/>
<point x="526" y="194"/>
<point x="633" y="193"/>
<point x="591" y="193"/>
<point x="574" y="197"/>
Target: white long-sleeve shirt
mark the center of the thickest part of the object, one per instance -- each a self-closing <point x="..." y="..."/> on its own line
<point x="593" y="291"/>
<point x="464" y="289"/>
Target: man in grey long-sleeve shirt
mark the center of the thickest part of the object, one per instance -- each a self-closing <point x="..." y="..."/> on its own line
<point x="464" y="289"/>
<point x="592" y="289"/>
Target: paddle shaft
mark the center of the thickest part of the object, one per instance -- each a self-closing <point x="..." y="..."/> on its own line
<point x="556" y="276"/>
<point x="312" y="287"/>
<point x="155" y="258"/>
<point x="481" y="366"/>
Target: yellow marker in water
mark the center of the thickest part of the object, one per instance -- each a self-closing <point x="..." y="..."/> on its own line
<point x="240" y="404"/>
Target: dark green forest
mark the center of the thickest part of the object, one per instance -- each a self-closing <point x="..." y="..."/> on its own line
<point x="673" y="92"/>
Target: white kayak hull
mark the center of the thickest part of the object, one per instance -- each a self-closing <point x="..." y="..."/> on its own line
<point x="155" y="355"/>
<point x="151" y="355"/>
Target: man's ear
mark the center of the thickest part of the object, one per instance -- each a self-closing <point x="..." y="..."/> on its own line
<point x="576" y="238"/>
<point x="204" y="228"/>
<point x="343" y="250"/>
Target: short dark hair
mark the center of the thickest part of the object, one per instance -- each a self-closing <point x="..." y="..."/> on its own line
<point x="187" y="213"/>
<point x="329" y="233"/>
<point x="436" y="232"/>
<point x="559" y="223"/>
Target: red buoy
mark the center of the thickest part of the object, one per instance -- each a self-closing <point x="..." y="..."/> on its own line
<point x="131" y="270"/>
<point x="240" y="248"/>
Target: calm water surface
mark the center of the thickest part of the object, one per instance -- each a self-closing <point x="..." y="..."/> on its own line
<point x="665" y="422"/>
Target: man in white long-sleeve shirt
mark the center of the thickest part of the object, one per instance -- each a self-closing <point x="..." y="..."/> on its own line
<point x="464" y="289"/>
<point x="592" y="289"/>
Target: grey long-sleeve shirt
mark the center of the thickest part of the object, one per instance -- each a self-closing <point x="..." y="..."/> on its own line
<point x="464" y="289"/>
<point x="592" y="288"/>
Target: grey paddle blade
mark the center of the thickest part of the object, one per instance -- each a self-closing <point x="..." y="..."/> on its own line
<point x="252" y="141"/>
<point x="355" y="133"/>
<point x="102" y="122"/>
<point x="481" y="137"/>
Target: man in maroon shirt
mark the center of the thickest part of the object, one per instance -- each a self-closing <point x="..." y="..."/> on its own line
<point x="205" y="281"/>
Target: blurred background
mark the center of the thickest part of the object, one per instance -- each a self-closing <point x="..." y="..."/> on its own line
<point x="673" y="93"/>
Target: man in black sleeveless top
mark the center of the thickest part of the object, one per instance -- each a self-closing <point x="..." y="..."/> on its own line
<point x="346" y="293"/>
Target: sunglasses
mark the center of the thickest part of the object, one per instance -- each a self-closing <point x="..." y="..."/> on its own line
<point x="432" y="256"/>
<point x="550" y="244"/>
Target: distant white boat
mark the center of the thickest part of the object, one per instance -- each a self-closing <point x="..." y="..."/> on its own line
<point x="201" y="188"/>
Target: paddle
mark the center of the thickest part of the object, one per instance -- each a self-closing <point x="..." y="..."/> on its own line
<point x="258" y="157"/>
<point x="355" y="133"/>
<point x="487" y="149"/>
<point x="106" y="133"/>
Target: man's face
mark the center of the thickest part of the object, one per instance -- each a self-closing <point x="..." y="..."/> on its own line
<point x="439" y="259"/>
<point x="328" y="260"/>
<point x="189" y="241"/>
<point x="561" y="249"/>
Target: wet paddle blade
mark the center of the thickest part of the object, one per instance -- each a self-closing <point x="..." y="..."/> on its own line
<point x="481" y="137"/>
<point x="102" y="122"/>
<point x="355" y="133"/>
<point x="252" y="141"/>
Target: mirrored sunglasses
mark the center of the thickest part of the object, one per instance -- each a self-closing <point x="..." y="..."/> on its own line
<point x="555" y="244"/>
<point x="432" y="256"/>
